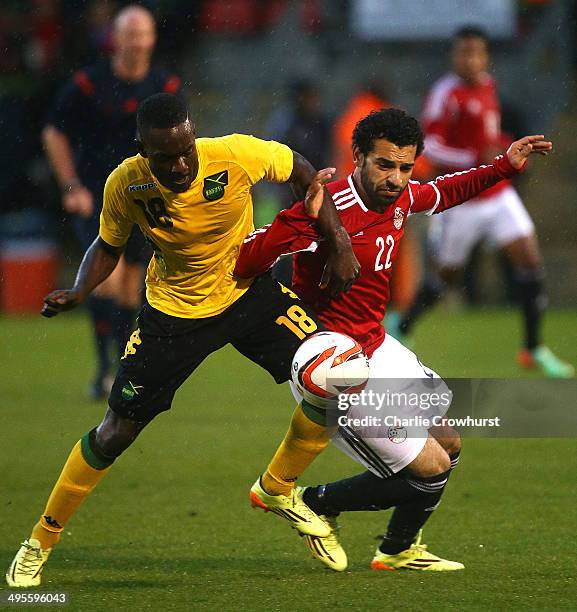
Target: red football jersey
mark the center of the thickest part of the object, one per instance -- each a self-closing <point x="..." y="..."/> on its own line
<point x="375" y="238"/>
<point x="460" y="121"/>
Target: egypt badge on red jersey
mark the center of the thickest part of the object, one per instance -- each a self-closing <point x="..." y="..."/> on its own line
<point x="399" y="217"/>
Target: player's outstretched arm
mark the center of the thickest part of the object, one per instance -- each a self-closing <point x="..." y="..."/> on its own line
<point x="97" y="265"/>
<point x="292" y="230"/>
<point x="342" y="267"/>
<point x="453" y="189"/>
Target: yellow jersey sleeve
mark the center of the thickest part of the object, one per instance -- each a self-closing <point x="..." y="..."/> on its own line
<point x="115" y="221"/>
<point x="262" y="159"/>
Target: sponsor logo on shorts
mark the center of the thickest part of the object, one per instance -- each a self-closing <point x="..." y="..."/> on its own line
<point x="143" y="187"/>
<point x="129" y="391"/>
<point x="399" y="217"/>
<point x="397" y="435"/>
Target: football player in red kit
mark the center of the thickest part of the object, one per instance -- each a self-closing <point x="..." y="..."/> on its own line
<point x="462" y="123"/>
<point x="374" y="204"/>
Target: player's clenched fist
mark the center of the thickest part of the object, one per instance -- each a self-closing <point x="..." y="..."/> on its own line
<point x="519" y="151"/>
<point x="59" y="301"/>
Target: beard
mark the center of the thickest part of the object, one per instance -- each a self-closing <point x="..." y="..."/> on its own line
<point x="377" y="200"/>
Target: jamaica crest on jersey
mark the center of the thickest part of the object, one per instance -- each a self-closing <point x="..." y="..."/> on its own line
<point x="398" y="218"/>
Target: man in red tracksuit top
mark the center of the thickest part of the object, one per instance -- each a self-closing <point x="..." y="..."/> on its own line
<point x="374" y="204"/>
<point x="462" y="124"/>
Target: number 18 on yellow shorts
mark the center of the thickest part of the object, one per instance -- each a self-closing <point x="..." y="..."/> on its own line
<point x="267" y="325"/>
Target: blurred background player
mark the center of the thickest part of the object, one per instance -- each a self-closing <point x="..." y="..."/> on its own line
<point x="301" y="124"/>
<point x="462" y="121"/>
<point x="88" y="131"/>
<point x="369" y="97"/>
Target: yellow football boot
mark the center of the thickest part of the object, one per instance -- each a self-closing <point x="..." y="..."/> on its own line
<point x="292" y="508"/>
<point x="26" y="568"/>
<point x="328" y="550"/>
<point x="414" y="558"/>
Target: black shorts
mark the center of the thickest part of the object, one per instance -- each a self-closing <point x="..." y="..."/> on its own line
<point x="267" y="325"/>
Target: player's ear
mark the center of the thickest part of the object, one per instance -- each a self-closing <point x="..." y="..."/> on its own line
<point x="140" y="147"/>
<point x="358" y="157"/>
<point x="192" y="128"/>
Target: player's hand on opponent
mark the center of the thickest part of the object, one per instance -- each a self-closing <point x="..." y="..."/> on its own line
<point x="342" y="268"/>
<point x="519" y="151"/>
<point x="60" y="301"/>
<point x="315" y="192"/>
<point x="78" y="200"/>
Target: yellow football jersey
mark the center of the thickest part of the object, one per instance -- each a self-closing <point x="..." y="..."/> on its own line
<point x="196" y="234"/>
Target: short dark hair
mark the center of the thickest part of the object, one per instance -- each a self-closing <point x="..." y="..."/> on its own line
<point x="162" y="110"/>
<point x="470" y="31"/>
<point x="394" y="124"/>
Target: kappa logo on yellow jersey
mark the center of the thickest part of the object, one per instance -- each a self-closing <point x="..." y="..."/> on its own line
<point x="214" y="185"/>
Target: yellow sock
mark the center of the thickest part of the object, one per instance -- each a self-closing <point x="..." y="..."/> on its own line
<point x="304" y="440"/>
<point x="76" y="481"/>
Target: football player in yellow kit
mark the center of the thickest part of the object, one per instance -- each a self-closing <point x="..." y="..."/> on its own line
<point x="192" y="200"/>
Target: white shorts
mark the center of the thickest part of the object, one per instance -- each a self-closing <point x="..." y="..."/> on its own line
<point x="390" y="452"/>
<point x="499" y="220"/>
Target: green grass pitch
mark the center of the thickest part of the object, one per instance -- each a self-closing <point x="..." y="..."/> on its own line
<point x="170" y="528"/>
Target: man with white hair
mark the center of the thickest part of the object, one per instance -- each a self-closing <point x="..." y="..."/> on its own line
<point x="89" y="129"/>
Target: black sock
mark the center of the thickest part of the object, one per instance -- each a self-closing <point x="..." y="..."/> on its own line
<point x="415" y="500"/>
<point x="361" y="492"/>
<point x="428" y="295"/>
<point x="409" y="517"/>
<point x="124" y="319"/>
<point x="101" y="313"/>
<point x="533" y="303"/>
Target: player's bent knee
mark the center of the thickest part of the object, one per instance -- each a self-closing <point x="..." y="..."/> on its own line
<point x="452" y="444"/>
<point x="431" y="461"/>
<point x="448" y="438"/>
<point x="115" y="434"/>
<point x="440" y="464"/>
